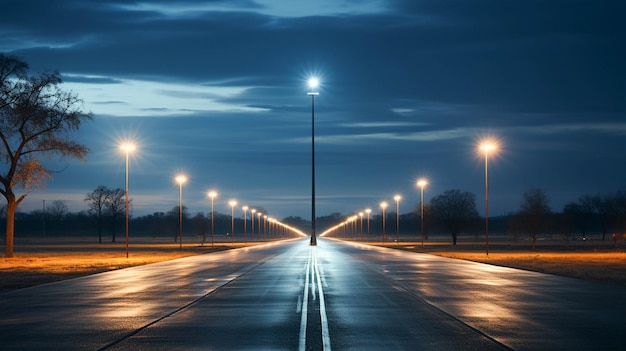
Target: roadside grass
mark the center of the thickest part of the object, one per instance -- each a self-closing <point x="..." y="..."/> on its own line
<point x="40" y="261"/>
<point x="44" y="261"/>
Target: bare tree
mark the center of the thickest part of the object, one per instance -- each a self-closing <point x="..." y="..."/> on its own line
<point x="57" y="210"/>
<point x="97" y="206"/>
<point x="201" y="225"/>
<point x="116" y="206"/>
<point x="534" y="212"/>
<point x="36" y="118"/>
<point x="456" y="210"/>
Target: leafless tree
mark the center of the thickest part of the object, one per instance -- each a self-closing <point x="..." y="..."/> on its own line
<point x="97" y="206"/>
<point x="36" y="119"/>
<point x="455" y="210"/>
<point x="534" y="210"/>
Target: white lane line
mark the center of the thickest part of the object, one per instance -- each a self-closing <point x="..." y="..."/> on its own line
<point x="313" y="266"/>
<point x="325" y="332"/>
<point x="305" y="302"/>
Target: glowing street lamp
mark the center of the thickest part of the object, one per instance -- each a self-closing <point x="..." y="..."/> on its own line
<point x="252" y="212"/>
<point x="232" y="204"/>
<point x="212" y="194"/>
<point x="368" y="211"/>
<point x="383" y="206"/>
<point x="313" y="84"/>
<point x="422" y="183"/>
<point x="264" y="225"/>
<point x="127" y="149"/>
<point x="361" y="231"/>
<point x="181" y="179"/>
<point x="397" y="199"/>
<point x="259" y="215"/>
<point x="245" y="220"/>
<point x="487" y="147"/>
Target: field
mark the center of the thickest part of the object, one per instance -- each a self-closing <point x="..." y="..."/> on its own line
<point x="43" y="260"/>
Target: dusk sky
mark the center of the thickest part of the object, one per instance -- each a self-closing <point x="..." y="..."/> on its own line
<point x="217" y="90"/>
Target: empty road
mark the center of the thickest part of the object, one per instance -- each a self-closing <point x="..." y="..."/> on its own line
<point x="290" y="296"/>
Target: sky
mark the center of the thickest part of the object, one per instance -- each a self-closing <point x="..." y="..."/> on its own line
<point x="408" y="89"/>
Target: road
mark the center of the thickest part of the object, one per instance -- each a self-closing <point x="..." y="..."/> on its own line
<point x="290" y="296"/>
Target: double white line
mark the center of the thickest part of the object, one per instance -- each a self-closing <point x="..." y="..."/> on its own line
<point x="312" y="276"/>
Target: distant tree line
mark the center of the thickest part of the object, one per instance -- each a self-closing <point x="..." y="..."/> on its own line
<point x="453" y="212"/>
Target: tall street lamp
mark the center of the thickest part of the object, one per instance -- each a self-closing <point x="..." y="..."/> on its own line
<point x="259" y="215"/>
<point x="368" y="211"/>
<point x="212" y="194"/>
<point x="383" y="206"/>
<point x="422" y="183"/>
<point x="252" y="212"/>
<point x="232" y="204"/>
<point x="313" y="84"/>
<point x="245" y="220"/>
<point x="486" y="147"/>
<point x="397" y="200"/>
<point x="361" y="231"/>
<point x="127" y="148"/>
<point x="180" y="179"/>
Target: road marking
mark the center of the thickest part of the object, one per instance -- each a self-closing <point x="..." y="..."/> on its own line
<point x="304" y="310"/>
<point x="325" y="332"/>
<point x="312" y="277"/>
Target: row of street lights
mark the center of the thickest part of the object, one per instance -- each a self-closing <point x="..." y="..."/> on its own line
<point x="486" y="146"/>
<point x="181" y="179"/>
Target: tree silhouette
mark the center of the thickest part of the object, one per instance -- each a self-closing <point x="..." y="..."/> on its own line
<point x="36" y="117"/>
<point x="455" y="210"/>
<point x="534" y="212"/>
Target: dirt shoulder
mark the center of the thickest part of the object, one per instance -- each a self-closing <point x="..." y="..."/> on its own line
<point x="40" y="261"/>
<point x="599" y="262"/>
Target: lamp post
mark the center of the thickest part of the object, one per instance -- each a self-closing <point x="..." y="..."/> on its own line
<point x="264" y="225"/>
<point x="422" y="183"/>
<point x="313" y="83"/>
<point x="212" y="194"/>
<point x="361" y="230"/>
<point x="397" y="200"/>
<point x="232" y="204"/>
<point x="180" y="179"/>
<point x="245" y="220"/>
<point x="127" y="148"/>
<point x="252" y="212"/>
<point x="259" y="215"/>
<point x="368" y="211"/>
<point x="486" y="147"/>
<point x="383" y="205"/>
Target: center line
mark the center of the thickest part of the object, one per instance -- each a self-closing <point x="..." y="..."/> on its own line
<point x="305" y="302"/>
<point x="325" y="332"/>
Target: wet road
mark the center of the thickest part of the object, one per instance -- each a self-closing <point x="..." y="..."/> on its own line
<point x="290" y="296"/>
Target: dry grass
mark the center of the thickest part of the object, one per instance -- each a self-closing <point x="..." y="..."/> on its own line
<point x="599" y="266"/>
<point x="39" y="262"/>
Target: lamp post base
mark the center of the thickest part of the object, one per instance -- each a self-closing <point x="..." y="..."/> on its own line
<point x="313" y="240"/>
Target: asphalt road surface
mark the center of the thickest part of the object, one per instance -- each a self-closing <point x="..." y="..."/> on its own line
<point x="291" y="296"/>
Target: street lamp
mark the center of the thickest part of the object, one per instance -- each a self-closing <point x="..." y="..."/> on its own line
<point x="245" y="220"/>
<point x="361" y="230"/>
<point x="264" y="225"/>
<point x="486" y="147"/>
<point x="212" y="194"/>
<point x="252" y="212"/>
<point x="259" y="215"/>
<point x="180" y="179"/>
<point x="422" y="183"/>
<point x="383" y="205"/>
<point x="232" y="204"/>
<point x="397" y="199"/>
<point x="368" y="211"/>
<point x="313" y="84"/>
<point x="127" y="148"/>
